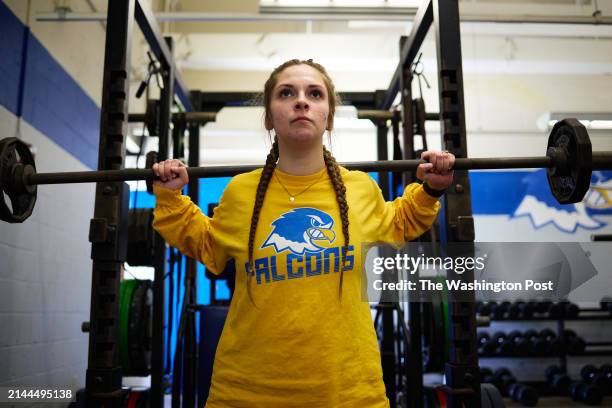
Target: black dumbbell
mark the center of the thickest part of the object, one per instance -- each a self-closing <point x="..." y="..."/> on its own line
<point x="606" y="371"/>
<point x="587" y="393"/>
<point x="555" y="311"/>
<point x="557" y="379"/>
<point x="523" y="345"/>
<point x="527" y="309"/>
<point x="487" y="345"/>
<point x="514" y="310"/>
<point x="570" y="310"/>
<point x="543" y="306"/>
<point x="606" y="303"/>
<point x="484" y="308"/>
<point x="574" y="344"/>
<point x="505" y="346"/>
<point x="525" y="394"/>
<point x="486" y="375"/>
<point x="502" y="378"/>
<point x="500" y="311"/>
<point x="554" y="345"/>
<point x="590" y="374"/>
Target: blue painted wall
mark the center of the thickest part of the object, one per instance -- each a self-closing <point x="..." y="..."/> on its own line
<point x="37" y="88"/>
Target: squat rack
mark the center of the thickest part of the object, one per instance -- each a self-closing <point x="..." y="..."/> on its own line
<point x="103" y="381"/>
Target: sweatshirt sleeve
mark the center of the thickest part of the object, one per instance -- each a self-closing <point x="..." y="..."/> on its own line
<point x="406" y="217"/>
<point x="183" y="225"/>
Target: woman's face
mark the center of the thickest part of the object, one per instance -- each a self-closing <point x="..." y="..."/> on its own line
<point x="299" y="106"/>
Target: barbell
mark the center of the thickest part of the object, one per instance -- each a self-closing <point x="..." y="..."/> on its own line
<point x="569" y="160"/>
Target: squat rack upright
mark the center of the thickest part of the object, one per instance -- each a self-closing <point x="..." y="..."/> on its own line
<point x="108" y="228"/>
<point x="461" y="371"/>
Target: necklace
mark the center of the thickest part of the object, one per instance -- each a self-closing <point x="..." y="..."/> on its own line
<point x="293" y="196"/>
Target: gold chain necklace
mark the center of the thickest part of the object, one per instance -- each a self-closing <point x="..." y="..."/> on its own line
<point x="293" y="196"/>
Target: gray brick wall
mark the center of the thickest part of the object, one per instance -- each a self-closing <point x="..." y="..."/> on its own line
<point x="45" y="276"/>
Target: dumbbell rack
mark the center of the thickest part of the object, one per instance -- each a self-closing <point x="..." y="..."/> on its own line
<point x="593" y="314"/>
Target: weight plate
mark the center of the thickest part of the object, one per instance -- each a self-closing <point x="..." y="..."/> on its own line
<point x="488" y="392"/>
<point x="16" y="161"/>
<point x="139" y="331"/>
<point x="150" y="159"/>
<point x="126" y="291"/>
<point x="569" y="185"/>
<point x="141" y="237"/>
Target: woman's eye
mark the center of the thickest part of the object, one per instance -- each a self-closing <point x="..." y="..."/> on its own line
<point x="284" y="93"/>
<point x="316" y="93"/>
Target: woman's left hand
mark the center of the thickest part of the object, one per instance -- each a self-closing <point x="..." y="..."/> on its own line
<point x="438" y="173"/>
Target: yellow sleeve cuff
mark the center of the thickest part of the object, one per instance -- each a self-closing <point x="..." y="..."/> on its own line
<point x="420" y="196"/>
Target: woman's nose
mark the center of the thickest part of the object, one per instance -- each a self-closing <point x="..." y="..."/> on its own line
<point x="301" y="102"/>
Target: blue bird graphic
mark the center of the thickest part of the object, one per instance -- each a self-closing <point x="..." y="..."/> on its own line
<point x="301" y="230"/>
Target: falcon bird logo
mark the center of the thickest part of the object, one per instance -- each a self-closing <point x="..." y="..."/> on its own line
<point x="301" y="230"/>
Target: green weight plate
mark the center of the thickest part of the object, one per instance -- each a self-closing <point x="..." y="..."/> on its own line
<point x="139" y="332"/>
<point x="126" y="291"/>
<point x="438" y="338"/>
<point x="446" y="322"/>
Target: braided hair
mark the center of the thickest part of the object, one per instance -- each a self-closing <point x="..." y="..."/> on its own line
<point x="333" y="170"/>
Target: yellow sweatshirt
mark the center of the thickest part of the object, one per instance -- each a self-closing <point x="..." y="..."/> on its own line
<point x="299" y="346"/>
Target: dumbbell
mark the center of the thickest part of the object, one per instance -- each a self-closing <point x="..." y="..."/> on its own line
<point x="554" y="345"/>
<point x="502" y="378"/>
<point x="606" y="371"/>
<point x="497" y="344"/>
<point x="525" y="394"/>
<point x="523" y="344"/>
<point x="543" y="306"/>
<point x="557" y="379"/>
<point x="514" y="310"/>
<point x="574" y="343"/>
<point x="591" y="375"/>
<point x="570" y="310"/>
<point x="500" y="310"/>
<point x="606" y="303"/>
<point x="526" y="310"/>
<point x="486" y="345"/>
<point x="555" y="310"/>
<point x="486" y="375"/>
<point x="505" y="345"/>
<point x="588" y="393"/>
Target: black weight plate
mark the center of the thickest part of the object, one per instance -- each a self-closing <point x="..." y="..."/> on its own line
<point x="15" y="160"/>
<point x="141" y="237"/>
<point x="570" y="186"/>
<point x="150" y="159"/>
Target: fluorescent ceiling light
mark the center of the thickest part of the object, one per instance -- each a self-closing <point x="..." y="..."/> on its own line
<point x="590" y="120"/>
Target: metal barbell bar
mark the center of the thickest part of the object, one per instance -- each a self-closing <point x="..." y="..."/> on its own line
<point x="569" y="160"/>
<point x="601" y="161"/>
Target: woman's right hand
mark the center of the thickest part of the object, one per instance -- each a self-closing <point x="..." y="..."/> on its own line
<point x="172" y="174"/>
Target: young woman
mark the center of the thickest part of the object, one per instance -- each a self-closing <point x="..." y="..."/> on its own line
<point x="298" y="333"/>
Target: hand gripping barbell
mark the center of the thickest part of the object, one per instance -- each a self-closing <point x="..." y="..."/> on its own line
<point x="569" y="160"/>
